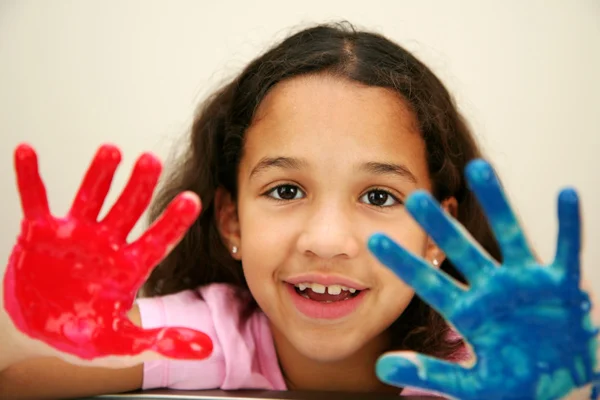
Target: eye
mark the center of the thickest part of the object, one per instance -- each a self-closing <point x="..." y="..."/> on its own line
<point x="285" y="192"/>
<point x="380" y="198"/>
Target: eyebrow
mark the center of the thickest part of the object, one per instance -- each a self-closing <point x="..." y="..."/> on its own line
<point x="377" y="168"/>
<point x="278" y="162"/>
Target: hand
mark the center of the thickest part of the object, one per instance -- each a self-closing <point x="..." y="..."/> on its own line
<point x="529" y="325"/>
<point x="71" y="281"/>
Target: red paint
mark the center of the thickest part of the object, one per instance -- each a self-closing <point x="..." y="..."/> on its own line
<point x="319" y="310"/>
<point x="71" y="281"/>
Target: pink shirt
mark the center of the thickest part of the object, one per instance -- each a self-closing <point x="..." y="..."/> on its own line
<point x="243" y="355"/>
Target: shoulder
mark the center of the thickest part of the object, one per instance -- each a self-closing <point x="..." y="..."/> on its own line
<point x="190" y="308"/>
<point x="243" y="353"/>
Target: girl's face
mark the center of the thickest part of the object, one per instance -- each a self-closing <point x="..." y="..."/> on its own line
<point x="327" y="163"/>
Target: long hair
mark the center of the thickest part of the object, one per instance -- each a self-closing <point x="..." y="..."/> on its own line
<point x="216" y="143"/>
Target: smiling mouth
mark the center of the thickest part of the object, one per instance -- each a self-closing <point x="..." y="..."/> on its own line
<point x="325" y="302"/>
<point x="325" y="294"/>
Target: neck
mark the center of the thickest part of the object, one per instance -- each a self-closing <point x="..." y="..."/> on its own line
<point x="355" y="373"/>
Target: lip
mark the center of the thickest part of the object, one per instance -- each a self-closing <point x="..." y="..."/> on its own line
<point x="326" y="280"/>
<point x="324" y="311"/>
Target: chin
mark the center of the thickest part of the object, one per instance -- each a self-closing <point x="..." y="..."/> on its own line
<point x="326" y="347"/>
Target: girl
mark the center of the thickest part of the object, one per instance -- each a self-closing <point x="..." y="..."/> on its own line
<point x="314" y="147"/>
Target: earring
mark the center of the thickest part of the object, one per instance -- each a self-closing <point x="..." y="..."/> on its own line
<point x="436" y="262"/>
<point x="234" y="249"/>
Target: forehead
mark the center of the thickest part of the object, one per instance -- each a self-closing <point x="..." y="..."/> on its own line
<point x="321" y="116"/>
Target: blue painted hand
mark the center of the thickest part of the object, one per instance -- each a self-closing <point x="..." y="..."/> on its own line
<point x="528" y="324"/>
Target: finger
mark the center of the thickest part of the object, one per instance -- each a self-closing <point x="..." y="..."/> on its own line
<point x="34" y="200"/>
<point x="183" y="343"/>
<point x="432" y="285"/>
<point x="568" y="246"/>
<point x="430" y="374"/>
<point x="96" y="183"/>
<point x="458" y="245"/>
<point x="179" y="343"/>
<point x="509" y="235"/>
<point x="165" y="233"/>
<point x="136" y="196"/>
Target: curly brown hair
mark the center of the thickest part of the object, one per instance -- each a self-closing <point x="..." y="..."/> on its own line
<point x="217" y="138"/>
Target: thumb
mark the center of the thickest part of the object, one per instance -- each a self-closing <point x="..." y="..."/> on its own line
<point x="183" y="343"/>
<point x="416" y="370"/>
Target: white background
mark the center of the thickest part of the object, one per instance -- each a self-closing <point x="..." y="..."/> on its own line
<point x="76" y="74"/>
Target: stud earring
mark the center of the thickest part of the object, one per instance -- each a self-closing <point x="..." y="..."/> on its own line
<point x="234" y="249"/>
<point x="436" y="262"/>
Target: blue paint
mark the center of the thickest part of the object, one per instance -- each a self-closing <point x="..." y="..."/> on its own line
<point x="528" y="324"/>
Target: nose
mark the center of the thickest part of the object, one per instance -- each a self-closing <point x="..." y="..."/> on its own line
<point x="329" y="232"/>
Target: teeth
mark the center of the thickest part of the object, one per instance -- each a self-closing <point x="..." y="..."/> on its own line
<point x="334" y="289"/>
<point x="318" y="288"/>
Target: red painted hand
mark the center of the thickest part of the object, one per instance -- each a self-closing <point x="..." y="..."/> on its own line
<point x="71" y="281"/>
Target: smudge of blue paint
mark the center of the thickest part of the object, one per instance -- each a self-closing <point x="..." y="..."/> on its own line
<point x="528" y="324"/>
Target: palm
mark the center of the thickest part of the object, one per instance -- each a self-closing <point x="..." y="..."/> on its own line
<point x="70" y="281"/>
<point x="528" y="325"/>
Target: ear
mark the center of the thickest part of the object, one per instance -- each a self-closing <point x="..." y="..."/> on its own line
<point x="227" y="221"/>
<point x="433" y="253"/>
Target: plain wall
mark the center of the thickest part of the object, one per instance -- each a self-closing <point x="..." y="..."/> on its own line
<point x="76" y="74"/>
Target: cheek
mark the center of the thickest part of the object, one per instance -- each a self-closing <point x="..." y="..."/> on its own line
<point x="394" y="292"/>
<point x="394" y="296"/>
<point x="267" y="234"/>
<point x="266" y="245"/>
<point x="265" y="239"/>
<point x="407" y="233"/>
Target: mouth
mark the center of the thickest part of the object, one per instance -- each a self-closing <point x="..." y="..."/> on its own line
<point x="329" y="302"/>
<point x="325" y="294"/>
